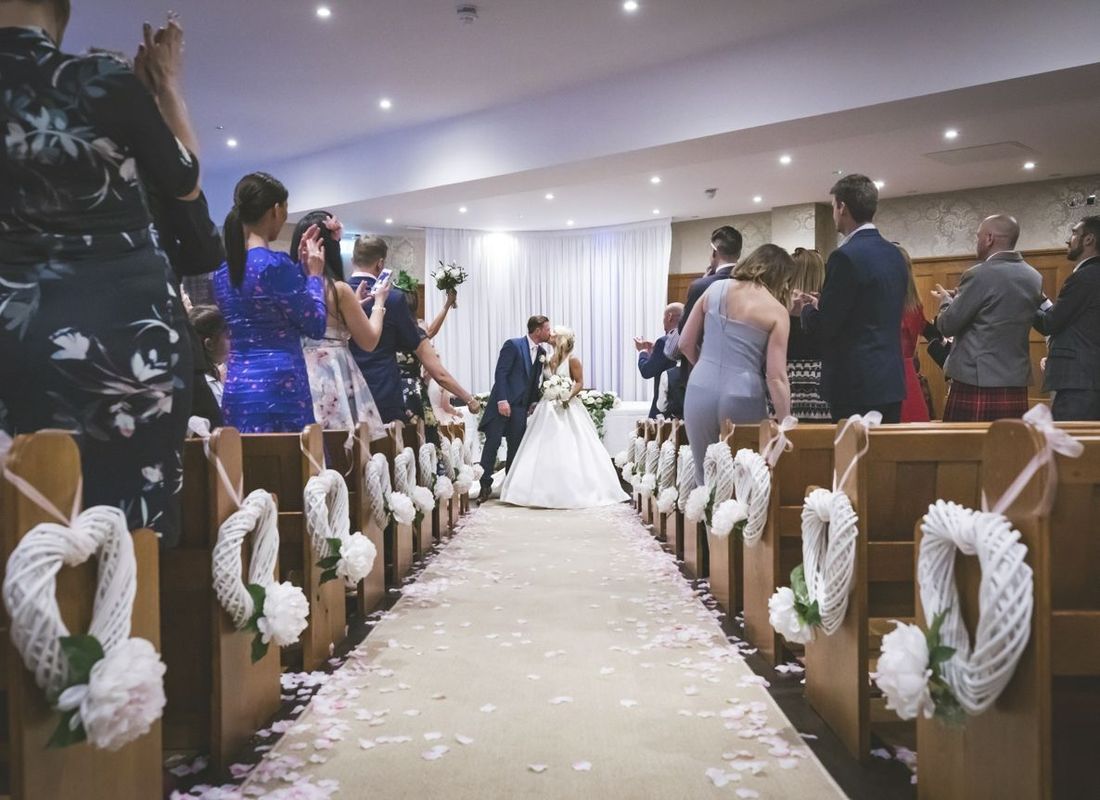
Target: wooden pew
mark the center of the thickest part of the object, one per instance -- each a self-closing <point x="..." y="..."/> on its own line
<point x="640" y="431"/>
<point x="278" y="462"/>
<point x="1038" y="740"/>
<point x="50" y="462"/>
<point x="398" y="538"/>
<point x="413" y="436"/>
<point x="724" y="554"/>
<point x="767" y="565"/>
<point x="217" y="698"/>
<point x="905" y="468"/>
<point x="663" y="526"/>
<point x="674" y="521"/>
<point x="460" y="500"/>
<point x="648" y="502"/>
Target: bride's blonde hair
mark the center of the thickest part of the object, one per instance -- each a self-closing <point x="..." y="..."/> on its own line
<point x="563" y="340"/>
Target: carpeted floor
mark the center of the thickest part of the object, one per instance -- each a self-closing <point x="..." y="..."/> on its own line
<point x="545" y="654"/>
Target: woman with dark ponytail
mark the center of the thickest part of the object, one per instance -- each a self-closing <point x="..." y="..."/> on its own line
<point x="269" y="302"/>
<point x="341" y="399"/>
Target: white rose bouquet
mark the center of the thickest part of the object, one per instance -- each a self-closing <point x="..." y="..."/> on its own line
<point x="449" y="277"/>
<point x="790" y="611"/>
<point x="558" y="389"/>
<point x="597" y="404"/>
<point x="909" y="673"/>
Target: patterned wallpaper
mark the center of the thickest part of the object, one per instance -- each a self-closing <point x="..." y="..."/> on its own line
<point x="406" y="253"/>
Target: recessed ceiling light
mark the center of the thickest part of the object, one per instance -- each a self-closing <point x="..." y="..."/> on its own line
<point x="462" y="209"/>
<point x="630" y="6"/>
<point x="784" y="159"/>
<point x="758" y="199"/>
<point x="655" y="179"/>
<point x="324" y="12"/>
<point x="950" y="133"/>
<point x="1029" y="165"/>
<point x="656" y="211"/>
<point x="879" y="184"/>
<point x="549" y="195"/>
<point x="389" y="220"/>
<point x="569" y="222"/>
<point x="231" y="142"/>
<point x="385" y="104"/>
<point x="838" y="172"/>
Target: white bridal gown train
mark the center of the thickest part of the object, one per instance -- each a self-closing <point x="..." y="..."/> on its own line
<point x="561" y="462"/>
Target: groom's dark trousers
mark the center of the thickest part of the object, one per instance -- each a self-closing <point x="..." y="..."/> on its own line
<point x="515" y="380"/>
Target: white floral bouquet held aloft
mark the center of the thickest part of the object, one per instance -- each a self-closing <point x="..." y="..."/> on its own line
<point x="449" y="277"/>
<point x="558" y="389"/>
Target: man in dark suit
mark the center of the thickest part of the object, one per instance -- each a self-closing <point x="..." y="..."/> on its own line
<point x="515" y="390"/>
<point x="858" y="316"/>
<point x="1073" y="325"/>
<point x="654" y="364"/>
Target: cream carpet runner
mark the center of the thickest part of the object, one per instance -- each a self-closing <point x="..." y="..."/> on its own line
<point x="544" y="654"/>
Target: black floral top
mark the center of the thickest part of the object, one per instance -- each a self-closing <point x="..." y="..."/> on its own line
<point x="74" y="130"/>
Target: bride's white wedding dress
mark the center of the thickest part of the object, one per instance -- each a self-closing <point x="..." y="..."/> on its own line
<point x="561" y="462"/>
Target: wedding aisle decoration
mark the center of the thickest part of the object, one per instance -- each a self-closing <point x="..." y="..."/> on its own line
<point x="449" y="277"/>
<point x="386" y="504"/>
<point x="685" y="477"/>
<point x="597" y="404"/>
<point x="752" y="479"/>
<point x="647" y="485"/>
<point x="404" y="480"/>
<point x="713" y="503"/>
<point x="108" y="687"/>
<point x="341" y="554"/>
<point x="274" y="612"/>
<point x="666" y="478"/>
<point x="440" y="485"/>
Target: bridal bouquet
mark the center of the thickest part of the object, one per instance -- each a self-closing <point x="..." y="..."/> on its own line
<point x="597" y="404"/>
<point x="449" y="277"/>
<point x="557" y="389"/>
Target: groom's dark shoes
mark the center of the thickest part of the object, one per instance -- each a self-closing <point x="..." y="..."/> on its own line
<point x="485" y="493"/>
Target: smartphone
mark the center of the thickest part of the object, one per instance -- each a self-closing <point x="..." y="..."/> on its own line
<point x="384" y="275"/>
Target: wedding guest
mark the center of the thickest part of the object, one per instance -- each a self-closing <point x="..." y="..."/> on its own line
<point x="93" y="337"/>
<point x="431" y="328"/>
<point x="914" y="408"/>
<point x="269" y="303"/>
<point x="399" y="332"/>
<point x="445" y="413"/>
<point x="1073" y="325"/>
<point x="857" y="319"/>
<point x="654" y="364"/>
<point x="414" y="378"/>
<point x="742" y="358"/>
<point x="990" y="317"/>
<point x="212" y="334"/>
<point x="341" y="398"/>
<point x="803" y="350"/>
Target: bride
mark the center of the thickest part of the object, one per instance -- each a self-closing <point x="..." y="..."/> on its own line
<point x="561" y="462"/>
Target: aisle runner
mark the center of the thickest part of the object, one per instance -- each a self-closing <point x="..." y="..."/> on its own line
<point x="545" y="654"/>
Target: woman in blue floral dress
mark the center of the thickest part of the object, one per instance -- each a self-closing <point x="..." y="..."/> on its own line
<point x="269" y="304"/>
<point x="92" y="333"/>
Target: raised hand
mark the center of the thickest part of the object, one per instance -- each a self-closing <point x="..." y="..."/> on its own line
<point x="159" y="60"/>
<point x="312" y="253"/>
<point x="335" y="228"/>
<point x="942" y="294"/>
<point x="643" y="345"/>
<point x="381" y="291"/>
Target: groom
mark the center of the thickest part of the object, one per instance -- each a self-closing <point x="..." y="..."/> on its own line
<point x="515" y="390"/>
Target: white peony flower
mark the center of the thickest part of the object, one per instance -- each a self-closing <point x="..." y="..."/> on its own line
<point x="464" y="482"/>
<point x="123" y="697"/>
<point x="621" y="458"/>
<point x="903" y="672"/>
<point x="628" y="472"/>
<point x="726" y="515"/>
<point x="286" y="614"/>
<point x="423" y="499"/>
<point x="444" y="489"/>
<point x="401" y="508"/>
<point x="666" y="502"/>
<point x="784" y="617"/>
<point x="696" y="507"/>
<point x="479" y="472"/>
<point x="647" y="485"/>
<point x="357" y="554"/>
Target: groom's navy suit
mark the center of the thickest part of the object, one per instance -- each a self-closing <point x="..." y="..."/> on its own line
<point x="516" y="380"/>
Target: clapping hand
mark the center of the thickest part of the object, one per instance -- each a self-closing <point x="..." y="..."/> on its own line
<point x="311" y="253"/>
<point x="799" y="301"/>
<point x="643" y="345"/>
<point x="942" y="294"/>
<point x="159" y="59"/>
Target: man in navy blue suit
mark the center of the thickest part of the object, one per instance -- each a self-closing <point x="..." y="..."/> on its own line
<point x="857" y="318"/>
<point x="653" y="364"/>
<point x="515" y="391"/>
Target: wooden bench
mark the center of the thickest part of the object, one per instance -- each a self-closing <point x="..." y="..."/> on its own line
<point x="641" y="430"/>
<point x="50" y="462"/>
<point x="1038" y="740"/>
<point x="724" y="554"/>
<point x="282" y="463"/>
<point x="904" y="469"/>
<point x="217" y="698"/>
<point x="664" y="526"/>
<point x="398" y="538"/>
<point x="413" y="437"/>
<point x="648" y="502"/>
<point x="767" y="565"/>
<point x="460" y="500"/>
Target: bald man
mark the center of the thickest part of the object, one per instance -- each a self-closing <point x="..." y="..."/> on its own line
<point x="653" y="363"/>
<point x="990" y="315"/>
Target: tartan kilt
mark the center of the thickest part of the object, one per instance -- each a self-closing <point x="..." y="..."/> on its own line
<point x="967" y="403"/>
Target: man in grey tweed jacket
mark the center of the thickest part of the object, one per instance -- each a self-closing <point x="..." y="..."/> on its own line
<point x="990" y="316"/>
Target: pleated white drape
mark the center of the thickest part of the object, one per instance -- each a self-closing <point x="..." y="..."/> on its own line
<point x="607" y="284"/>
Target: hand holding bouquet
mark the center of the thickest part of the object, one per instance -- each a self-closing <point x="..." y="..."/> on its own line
<point x="558" y="389"/>
<point x="448" y="278"/>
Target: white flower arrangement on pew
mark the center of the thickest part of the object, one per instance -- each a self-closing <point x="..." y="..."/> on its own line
<point x="424" y="501"/>
<point x="910" y="673"/>
<point x="400" y="508"/>
<point x="597" y="404"/>
<point x="350" y="559"/>
<point x="666" y="501"/>
<point x="728" y="517"/>
<point x="791" y="612"/>
<point x="558" y="389"/>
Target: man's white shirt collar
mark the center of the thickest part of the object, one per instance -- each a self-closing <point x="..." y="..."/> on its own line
<point x="730" y="264"/>
<point x="866" y="226"/>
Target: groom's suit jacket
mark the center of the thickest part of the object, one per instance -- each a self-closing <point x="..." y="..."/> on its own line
<point x="516" y="380"/>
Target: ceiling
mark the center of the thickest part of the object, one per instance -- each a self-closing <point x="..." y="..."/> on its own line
<point x="577" y="98"/>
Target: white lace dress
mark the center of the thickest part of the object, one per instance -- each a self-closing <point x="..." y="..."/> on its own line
<point x="561" y="462"/>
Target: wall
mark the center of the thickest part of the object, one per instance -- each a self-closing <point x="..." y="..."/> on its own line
<point x="691" y="239"/>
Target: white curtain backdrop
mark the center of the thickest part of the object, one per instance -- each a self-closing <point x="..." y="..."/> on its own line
<point x="609" y="285"/>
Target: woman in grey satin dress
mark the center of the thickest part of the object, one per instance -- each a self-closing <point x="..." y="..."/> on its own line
<point x="737" y="339"/>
